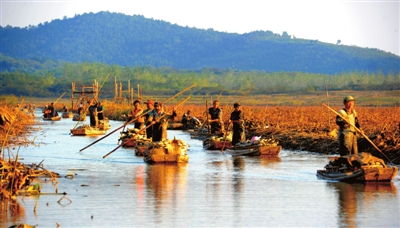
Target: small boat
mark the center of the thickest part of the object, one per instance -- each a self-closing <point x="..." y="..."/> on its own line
<point x="67" y="115"/>
<point x="361" y="167"/>
<point x="167" y="151"/>
<point x="217" y="143"/>
<point x="54" y="118"/>
<point x="268" y="147"/>
<point x="88" y="130"/>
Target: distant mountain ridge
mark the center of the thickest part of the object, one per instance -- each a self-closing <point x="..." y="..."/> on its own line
<point x="115" y="38"/>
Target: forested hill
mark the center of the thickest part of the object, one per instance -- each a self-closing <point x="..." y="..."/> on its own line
<point x="114" y="38"/>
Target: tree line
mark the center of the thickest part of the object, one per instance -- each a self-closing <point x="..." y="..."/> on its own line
<point x="167" y="81"/>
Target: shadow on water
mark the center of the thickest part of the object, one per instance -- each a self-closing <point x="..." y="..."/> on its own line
<point x="213" y="189"/>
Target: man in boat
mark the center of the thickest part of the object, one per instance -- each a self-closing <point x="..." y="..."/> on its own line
<point x="65" y="108"/>
<point x="160" y="119"/>
<point x="136" y="114"/>
<point x="53" y="112"/>
<point x="217" y="126"/>
<point x="189" y="121"/>
<point x="149" y="110"/>
<point x="100" y="109"/>
<point x="347" y="137"/>
<point x="237" y="118"/>
<point x="93" y="113"/>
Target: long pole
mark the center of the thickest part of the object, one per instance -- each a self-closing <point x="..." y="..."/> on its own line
<point x="180" y="93"/>
<point x="246" y="93"/>
<point x="58" y="98"/>
<point x="358" y="130"/>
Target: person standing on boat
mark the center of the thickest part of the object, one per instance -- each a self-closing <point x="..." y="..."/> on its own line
<point x="100" y="109"/>
<point x="159" y="119"/>
<point x="53" y="112"/>
<point x="347" y="136"/>
<point x="237" y="118"/>
<point x="149" y="110"/>
<point x="136" y="114"/>
<point x="93" y="113"/>
<point x="217" y="126"/>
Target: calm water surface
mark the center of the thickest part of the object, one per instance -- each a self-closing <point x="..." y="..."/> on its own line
<point x="213" y="189"/>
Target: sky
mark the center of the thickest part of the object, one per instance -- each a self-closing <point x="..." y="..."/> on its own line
<point x="372" y="24"/>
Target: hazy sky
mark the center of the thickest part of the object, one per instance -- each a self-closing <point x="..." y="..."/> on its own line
<point x="373" y="24"/>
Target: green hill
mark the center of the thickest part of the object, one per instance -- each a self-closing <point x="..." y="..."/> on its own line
<point x="113" y="38"/>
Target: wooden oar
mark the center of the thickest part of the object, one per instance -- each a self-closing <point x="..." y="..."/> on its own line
<point x="358" y="130"/>
<point x="114" y="130"/>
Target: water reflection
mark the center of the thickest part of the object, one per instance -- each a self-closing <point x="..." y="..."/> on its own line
<point x="354" y="200"/>
<point x="267" y="160"/>
<point x="167" y="183"/>
<point x="11" y="211"/>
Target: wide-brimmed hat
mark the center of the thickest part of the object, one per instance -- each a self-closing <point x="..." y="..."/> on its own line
<point x="149" y="102"/>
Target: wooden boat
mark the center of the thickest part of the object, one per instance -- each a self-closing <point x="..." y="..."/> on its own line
<point x="361" y="167"/>
<point x="67" y="115"/>
<point x="54" y="118"/>
<point x="217" y="143"/>
<point x="88" y="130"/>
<point x="268" y="147"/>
<point x="167" y="151"/>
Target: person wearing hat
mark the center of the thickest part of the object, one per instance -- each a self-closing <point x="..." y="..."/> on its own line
<point x="215" y="119"/>
<point x="159" y="120"/>
<point x="347" y="137"/>
<point x="136" y="114"/>
<point x="148" y="110"/>
<point x="237" y="118"/>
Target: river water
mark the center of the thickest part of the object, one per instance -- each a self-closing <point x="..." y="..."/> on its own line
<point x="212" y="190"/>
